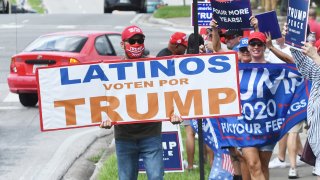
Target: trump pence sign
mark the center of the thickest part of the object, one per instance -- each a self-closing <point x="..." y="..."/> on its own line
<point x="143" y="90"/>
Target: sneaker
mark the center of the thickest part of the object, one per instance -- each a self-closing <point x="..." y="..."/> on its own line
<point x="299" y="162"/>
<point x="314" y="171"/>
<point x="185" y="165"/>
<point x="276" y="163"/>
<point x="293" y="174"/>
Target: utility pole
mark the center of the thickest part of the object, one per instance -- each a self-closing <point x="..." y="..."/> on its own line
<point x="200" y="131"/>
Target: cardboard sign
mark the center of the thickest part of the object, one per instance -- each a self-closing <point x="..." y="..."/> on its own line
<point x="172" y="149"/>
<point x="144" y="90"/>
<point x="231" y="14"/>
<point x="267" y="18"/>
<point x="297" y="20"/>
<point x="204" y="14"/>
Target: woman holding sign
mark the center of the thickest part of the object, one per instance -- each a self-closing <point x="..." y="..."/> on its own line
<point x="308" y="63"/>
<point x="258" y="158"/>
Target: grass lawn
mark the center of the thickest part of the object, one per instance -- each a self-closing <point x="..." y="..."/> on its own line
<point x="172" y="12"/>
<point x="37" y="6"/>
<point x="109" y="169"/>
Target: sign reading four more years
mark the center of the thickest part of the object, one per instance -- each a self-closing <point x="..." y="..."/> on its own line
<point x="143" y="90"/>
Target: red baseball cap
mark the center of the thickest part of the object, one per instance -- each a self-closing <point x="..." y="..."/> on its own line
<point x="130" y="31"/>
<point x="258" y="35"/>
<point x="179" y="38"/>
<point x="317" y="45"/>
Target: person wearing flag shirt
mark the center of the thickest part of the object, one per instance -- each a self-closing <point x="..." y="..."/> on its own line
<point x="140" y="139"/>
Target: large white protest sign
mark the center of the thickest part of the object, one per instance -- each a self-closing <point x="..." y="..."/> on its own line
<point x="138" y="91"/>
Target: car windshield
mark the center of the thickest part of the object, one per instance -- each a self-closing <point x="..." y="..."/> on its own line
<point x="62" y="43"/>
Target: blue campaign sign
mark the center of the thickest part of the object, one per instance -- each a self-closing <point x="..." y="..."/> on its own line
<point x="204" y="14"/>
<point x="274" y="98"/>
<point x="172" y="158"/>
<point x="267" y="18"/>
<point x="297" y="20"/>
<point x="232" y="14"/>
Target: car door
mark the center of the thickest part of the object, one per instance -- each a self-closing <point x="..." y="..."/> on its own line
<point x="108" y="47"/>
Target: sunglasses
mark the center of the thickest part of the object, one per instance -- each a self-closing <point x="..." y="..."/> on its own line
<point x="243" y="49"/>
<point x="256" y="43"/>
<point x="133" y="41"/>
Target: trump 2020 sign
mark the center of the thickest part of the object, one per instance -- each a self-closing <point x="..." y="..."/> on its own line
<point x="144" y="90"/>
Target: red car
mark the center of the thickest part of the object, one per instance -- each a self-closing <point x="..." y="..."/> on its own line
<point x="59" y="49"/>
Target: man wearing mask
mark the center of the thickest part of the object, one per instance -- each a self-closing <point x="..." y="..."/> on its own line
<point x="140" y="139"/>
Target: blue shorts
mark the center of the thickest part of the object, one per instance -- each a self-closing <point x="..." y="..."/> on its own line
<point x="268" y="147"/>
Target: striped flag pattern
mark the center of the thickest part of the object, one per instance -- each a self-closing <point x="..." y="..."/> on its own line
<point x="227" y="163"/>
<point x="222" y="165"/>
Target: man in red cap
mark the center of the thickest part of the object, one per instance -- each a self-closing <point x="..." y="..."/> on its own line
<point x="177" y="45"/>
<point x="133" y="42"/>
<point x="140" y="140"/>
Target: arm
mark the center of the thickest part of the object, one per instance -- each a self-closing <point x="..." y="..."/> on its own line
<point x="216" y="44"/>
<point x="306" y="66"/>
<point x="317" y="60"/>
<point x="310" y="69"/>
<point x="281" y="55"/>
<point x="311" y="51"/>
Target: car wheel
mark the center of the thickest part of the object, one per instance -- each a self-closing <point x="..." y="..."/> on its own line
<point x="28" y="99"/>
